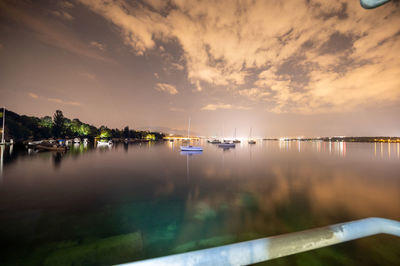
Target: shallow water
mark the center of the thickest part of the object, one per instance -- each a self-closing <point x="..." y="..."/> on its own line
<point x="95" y="206"/>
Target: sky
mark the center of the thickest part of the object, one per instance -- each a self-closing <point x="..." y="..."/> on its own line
<point x="282" y="68"/>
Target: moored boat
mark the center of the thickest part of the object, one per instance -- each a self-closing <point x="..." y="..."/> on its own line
<point x="190" y="147"/>
<point x="46" y="146"/>
<point x="104" y="142"/>
<point x="251" y="141"/>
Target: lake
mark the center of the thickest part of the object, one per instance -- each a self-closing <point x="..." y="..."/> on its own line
<point x="100" y="206"/>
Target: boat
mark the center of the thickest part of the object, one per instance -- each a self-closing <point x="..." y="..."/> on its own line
<point x="235" y="139"/>
<point x="104" y="142"/>
<point x="190" y="147"/>
<point x="251" y="141"/>
<point x="77" y="140"/>
<point x="227" y="145"/>
<point x="215" y="141"/>
<point x="47" y="146"/>
<point x="85" y="141"/>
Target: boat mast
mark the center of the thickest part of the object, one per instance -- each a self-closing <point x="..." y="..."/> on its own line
<point x="250" y="133"/>
<point x="189" y="129"/>
<point x="2" y="129"/>
<point x="235" y="132"/>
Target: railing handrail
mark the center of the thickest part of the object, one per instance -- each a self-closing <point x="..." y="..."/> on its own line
<point x="263" y="249"/>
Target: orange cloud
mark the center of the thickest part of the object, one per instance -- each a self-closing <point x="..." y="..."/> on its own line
<point x="346" y="57"/>
<point x="171" y="89"/>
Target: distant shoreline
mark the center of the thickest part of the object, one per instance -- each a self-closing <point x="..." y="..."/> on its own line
<point x="342" y="139"/>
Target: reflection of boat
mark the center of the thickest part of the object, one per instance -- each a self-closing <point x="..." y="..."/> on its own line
<point x="171" y="140"/>
<point x="227" y="145"/>
<point x="189" y="147"/>
<point x="191" y="152"/>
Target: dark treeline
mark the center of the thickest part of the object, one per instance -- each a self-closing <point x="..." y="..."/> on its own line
<point x="22" y="127"/>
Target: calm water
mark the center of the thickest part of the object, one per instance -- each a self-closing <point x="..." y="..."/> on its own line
<point x="96" y="206"/>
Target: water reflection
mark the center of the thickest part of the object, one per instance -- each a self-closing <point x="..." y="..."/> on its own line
<point x="57" y="157"/>
<point x="150" y="200"/>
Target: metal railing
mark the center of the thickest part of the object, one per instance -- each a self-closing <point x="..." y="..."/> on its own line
<point x="264" y="249"/>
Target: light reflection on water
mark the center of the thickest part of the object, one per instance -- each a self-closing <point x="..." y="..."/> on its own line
<point x="151" y="199"/>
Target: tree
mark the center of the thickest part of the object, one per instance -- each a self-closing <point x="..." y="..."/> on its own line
<point x="58" y="123"/>
<point x="126" y="132"/>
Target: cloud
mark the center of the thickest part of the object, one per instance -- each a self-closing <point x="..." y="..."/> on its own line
<point x="213" y="107"/>
<point x="177" y="66"/>
<point x="66" y="4"/>
<point x="171" y="89"/>
<point x="54" y="100"/>
<point x="254" y="93"/>
<point x="88" y="75"/>
<point x="176" y="109"/>
<point x="59" y="101"/>
<point x="62" y="14"/>
<point x="296" y="56"/>
<point x="33" y="95"/>
<point x="100" y="46"/>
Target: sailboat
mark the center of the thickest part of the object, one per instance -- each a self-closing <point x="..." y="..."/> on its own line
<point x="190" y="147"/>
<point x="235" y="139"/>
<point x="251" y="141"/>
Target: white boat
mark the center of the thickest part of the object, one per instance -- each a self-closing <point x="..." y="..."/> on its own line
<point x="85" y="141"/>
<point x="190" y="147"/>
<point x="104" y="142"/>
<point x="77" y="140"/>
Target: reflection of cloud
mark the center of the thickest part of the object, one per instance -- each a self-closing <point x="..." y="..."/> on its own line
<point x="318" y="56"/>
<point x="171" y="89"/>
